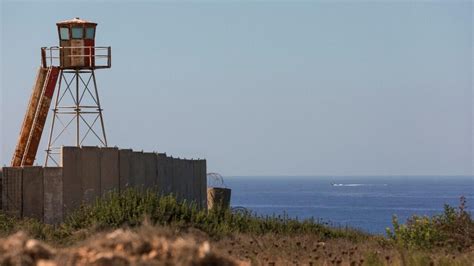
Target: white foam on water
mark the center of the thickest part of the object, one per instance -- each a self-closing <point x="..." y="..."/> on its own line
<point x="357" y="185"/>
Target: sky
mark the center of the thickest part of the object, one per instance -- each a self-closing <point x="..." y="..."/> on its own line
<point x="267" y="88"/>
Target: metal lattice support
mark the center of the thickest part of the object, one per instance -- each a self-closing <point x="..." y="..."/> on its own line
<point x="77" y="106"/>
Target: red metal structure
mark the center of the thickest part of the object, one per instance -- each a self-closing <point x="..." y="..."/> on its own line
<point x="73" y="62"/>
<point x="35" y="117"/>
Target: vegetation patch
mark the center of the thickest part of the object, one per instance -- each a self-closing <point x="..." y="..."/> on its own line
<point x="454" y="228"/>
<point x="132" y="207"/>
<point x="445" y="239"/>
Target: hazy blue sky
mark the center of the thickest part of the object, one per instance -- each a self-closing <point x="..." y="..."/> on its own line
<point x="315" y="88"/>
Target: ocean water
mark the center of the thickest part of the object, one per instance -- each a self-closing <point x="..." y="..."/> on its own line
<point x="367" y="203"/>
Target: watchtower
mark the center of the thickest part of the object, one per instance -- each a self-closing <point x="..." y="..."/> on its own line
<point x="77" y="103"/>
<point x="79" y="35"/>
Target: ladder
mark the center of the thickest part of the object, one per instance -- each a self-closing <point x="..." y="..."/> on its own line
<point x="35" y="117"/>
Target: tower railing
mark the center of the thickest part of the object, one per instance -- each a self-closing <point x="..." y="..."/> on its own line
<point x="96" y="56"/>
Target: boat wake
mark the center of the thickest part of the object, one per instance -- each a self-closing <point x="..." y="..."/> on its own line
<point x="357" y="185"/>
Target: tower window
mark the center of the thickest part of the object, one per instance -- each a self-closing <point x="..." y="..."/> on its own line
<point x="90" y="31"/>
<point x="64" y="33"/>
<point x="77" y="33"/>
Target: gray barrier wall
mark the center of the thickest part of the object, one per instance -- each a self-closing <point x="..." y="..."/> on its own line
<point x="12" y="191"/>
<point x="32" y="198"/>
<point x="50" y="193"/>
<point x="53" y="195"/>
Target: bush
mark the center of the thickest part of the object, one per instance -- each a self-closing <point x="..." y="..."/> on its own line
<point x="454" y="228"/>
<point x="34" y="228"/>
<point x="6" y="223"/>
<point x="132" y="207"/>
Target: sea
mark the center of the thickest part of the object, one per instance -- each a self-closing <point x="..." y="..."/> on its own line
<point x="365" y="203"/>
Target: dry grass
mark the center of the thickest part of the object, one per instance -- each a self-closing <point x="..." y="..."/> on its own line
<point x="306" y="250"/>
<point x="158" y="245"/>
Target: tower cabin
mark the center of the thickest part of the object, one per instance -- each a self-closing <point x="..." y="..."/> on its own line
<point x="76" y="42"/>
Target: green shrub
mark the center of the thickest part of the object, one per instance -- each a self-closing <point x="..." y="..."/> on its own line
<point x="6" y="223"/>
<point x="34" y="228"/>
<point x="132" y="207"/>
<point x="454" y="228"/>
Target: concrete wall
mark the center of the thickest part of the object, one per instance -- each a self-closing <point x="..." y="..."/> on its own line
<point x="32" y="195"/>
<point x="12" y="191"/>
<point x="51" y="193"/>
<point x="1" y="184"/>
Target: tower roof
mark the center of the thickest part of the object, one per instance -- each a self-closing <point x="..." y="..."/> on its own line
<point x="76" y="20"/>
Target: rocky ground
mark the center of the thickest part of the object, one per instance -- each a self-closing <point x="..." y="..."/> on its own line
<point x="149" y="245"/>
<point x="120" y="247"/>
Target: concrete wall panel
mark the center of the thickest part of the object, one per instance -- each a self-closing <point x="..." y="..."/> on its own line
<point x="50" y="194"/>
<point x="12" y="190"/>
<point x="149" y="159"/>
<point x="182" y="179"/>
<point x="170" y="171"/>
<point x="197" y="182"/>
<point x="168" y="180"/>
<point x="203" y="182"/>
<point x="189" y="179"/>
<point x="71" y="161"/>
<point x="137" y="170"/>
<point x="1" y="178"/>
<point x="177" y="183"/>
<point x="32" y="196"/>
<point x="160" y="173"/>
<point x="169" y="183"/>
<point x="53" y="194"/>
<point x="125" y="162"/>
<point x="90" y="159"/>
<point x="109" y="170"/>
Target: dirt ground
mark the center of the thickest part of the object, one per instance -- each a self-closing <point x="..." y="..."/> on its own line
<point x="305" y="250"/>
<point x="158" y="246"/>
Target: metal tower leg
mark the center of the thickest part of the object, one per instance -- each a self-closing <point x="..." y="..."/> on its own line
<point x="85" y="114"/>
<point x="99" y="108"/>
<point x="78" y="109"/>
<point x="49" y="154"/>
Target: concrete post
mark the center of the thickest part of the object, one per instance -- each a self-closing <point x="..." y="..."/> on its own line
<point x="218" y="198"/>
